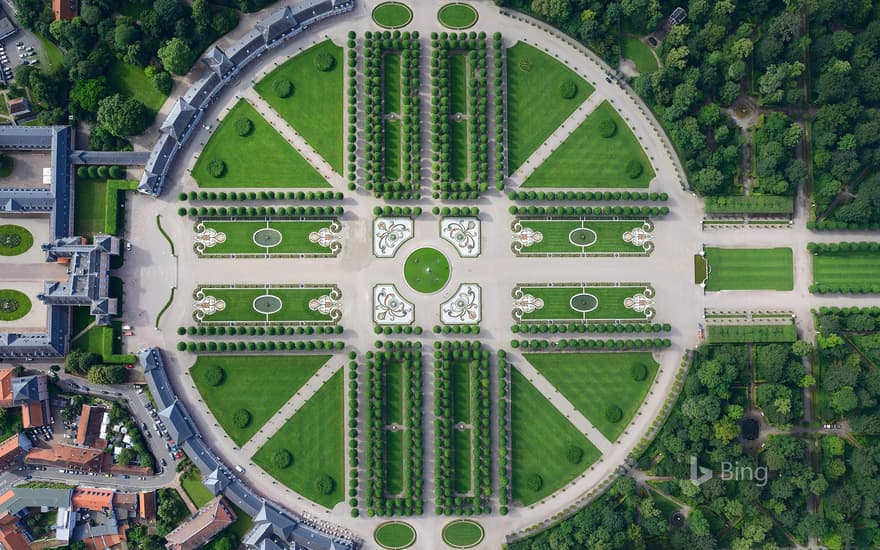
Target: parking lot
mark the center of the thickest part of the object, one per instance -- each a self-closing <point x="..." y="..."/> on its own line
<point x="14" y="54"/>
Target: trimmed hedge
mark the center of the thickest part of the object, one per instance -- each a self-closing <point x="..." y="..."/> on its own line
<point x="743" y="334"/>
<point x="596" y="196"/>
<point x="591" y="328"/>
<point x="212" y="346"/>
<point x="241" y="330"/>
<point x="652" y="211"/>
<point x="241" y="196"/>
<point x="575" y="344"/>
<point x="111" y="205"/>
<point x="749" y="204"/>
<point x="264" y="211"/>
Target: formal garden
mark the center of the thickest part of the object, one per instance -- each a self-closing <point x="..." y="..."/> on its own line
<point x="749" y="268"/>
<point x="596" y="303"/>
<point x="582" y="237"/>
<point x="305" y="237"/>
<point x="14" y="304"/>
<point x="14" y="240"/>
<point x="845" y="267"/>
<point x="266" y="305"/>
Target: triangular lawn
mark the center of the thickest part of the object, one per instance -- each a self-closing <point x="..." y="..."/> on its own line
<point x="586" y="159"/>
<point x="260" y="384"/>
<point x="592" y="381"/>
<point x="535" y="106"/>
<point x="540" y="442"/>
<point x="315" y="439"/>
<point x="263" y="158"/>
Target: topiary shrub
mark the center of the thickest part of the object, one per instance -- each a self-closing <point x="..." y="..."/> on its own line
<point x="244" y="126"/>
<point x="574" y="454"/>
<point x="324" y="61"/>
<point x="633" y="169"/>
<point x="607" y="128"/>
<point x="117" y="172"/>
<point x="613" y="414"/>
<point x="325" y="484"/>
<point x="534" y="482"/>
<point x="283" y="87"/>
<point x="241" y="418"/>
<point x="568" y="89"/>
<point x="215" y="375"/>
<point x="217" y="168"/>
<point x="282" y="458"/>
<point x="638" y="371"/>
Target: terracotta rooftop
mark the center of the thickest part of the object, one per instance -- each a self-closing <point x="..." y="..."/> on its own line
<point x="201" y="528"/>
<point x="92" y="498"/>
<point x="89" y="425"/>
<point x="33" y="415"/>
<point x="11" y="536"/>
<point x="67" y="456"/>
<point x="147" y="505"/>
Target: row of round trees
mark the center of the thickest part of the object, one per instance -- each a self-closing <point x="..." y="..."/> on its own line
<point x="268" y="345"/>
<point x="453" y="360"/>
<point x="103" y="172"/>
<point x="353" y="434"/>
<point x="586" y="196"/>
<point x="473" y="154"/>
<point x="255" y="211"/>
<point x="407" y="360"/>
<point x="581" y="343"/>
<point x="500" y="164"/>
<point x="352" y="95"/>
<point x="261" y="195"/>
<point x="843" y="247"/>
<point x="535" y="328"/>
<point x="391" y="162"/>
<point x="211" y="330"/>
<point x="503" y="432"/>
<point x="589" y="210"/>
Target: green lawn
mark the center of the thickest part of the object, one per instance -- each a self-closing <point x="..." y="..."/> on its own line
<point x="461" y="454"/>
<point x="24" y="238"/>
<point x="259" y="383"/>
<point x="461" y="392"/>
<point x="130" y="80"/>
<point x="394" y="461"/>
<point x="90" y="200"/>
<point x="608" y="237"/>
<point x="535" y="108"/>
<point x="392" y="15"/>
<point x="393" y="393"/>
<point x="240" y="237"/>
<point x="458" y="103"/>
<point x="392" y="128"/>
<point x="750" y="269"/>
<point x="586" y="159"/>
<point x="240" y="305"/>
<point x="541" y="436"/>
<point x="314" y="109"/>
<point x="314" y="436"/>
<point x="394" y="534"/>
<point x="592" y="381"/>
<point x="242" y="523"/>
<point x="463" y="533"/>
<point x="261" y="159"/>
<point x="98" y="339"/>
<point x="850" y="268"/>
<point x="20" y="298"/>
<point x="82" y="318"/>
<point x="194" y="488"/>
<point x="426" y="270"/>
<point x="634" y="49"/>
<point x="457" y="16"/>
<point x="50" y="55"/>
<point x="557" y="306"/>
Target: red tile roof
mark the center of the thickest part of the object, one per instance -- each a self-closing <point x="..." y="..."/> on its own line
<point x="201" y="528"/>
<point x="92" y="498"/>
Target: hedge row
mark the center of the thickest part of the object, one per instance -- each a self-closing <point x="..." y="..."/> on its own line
<point x="353" y="409"/>
<point x="873" y="311"/>
<point x="843" y="247"/>
<point x="581" y="343"/>
<point x="261" y="196"/>
<point x="742" y="334"/>
<point x="500" y="126"/>
<point x="503" y="433"/>
<point x="377" y="46"/>
<point x="447" y="358"/>
<point x="456" y="329"/>
<point x="749" y="204"/>
<point x="407" y="357"/>
<point x="569" y="196"/>
<point x="824" y="288"/>
<point x="831" y="225"/>
<point x="592" y="327"/>
<point x="258" y="331"/>
<point x="352" y="95"/>
<point x="653" y="211"/>
<point x="267" y="345"/>
<point x="100" y="172"/>
<point x="405" y="211"/>
<point x="397" y="329"/>
<point x="259" y="211"/>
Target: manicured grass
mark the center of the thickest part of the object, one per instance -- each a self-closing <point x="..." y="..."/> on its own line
<point x="557" y="307"/>
<point x="463" y="533"/>
<point x="240" y="304"/>
<point x="24" y="237"/>
<point x="261" y="159"/>
<point x="461" y="454"/>
<point x="259" y="383"/>
<point x="130" y="80"/>
<point x="391" y="89"/>
<point x="458" y="101"/>
<point x="394" y="535"/>
<point x="608" y="237"/>
<point x="82" y="318"/>
<point x="393" y="393"/>
<point x="392" y="15"/>
<point x="699" y="269"/>
<point x="90" y="201"/>
<point x="18" y="303"/>
<point x="461" y="392"/>
<point x="242" y="523"/>
<point x="535" y="108"/>
<point x="634" y="49"/>
<point x="314" y="108"/>
<point x="592" y="381"/>
<point x="392" y="129"/>
<point x="847" y="269"/>
<point x="541" y="437"/>
<point x="314" y="436"/>
<point x="50" y="55"/>
<point x="586" y="159"/>
<point x="426" y="270"/>
<point x="195" y="489"/>
<point x="394" y="459"/>
<point x="750" y="269"/>
<point x="457" y="16"/>
<point x="240" y="237"/>
<point x="745" y="334"/>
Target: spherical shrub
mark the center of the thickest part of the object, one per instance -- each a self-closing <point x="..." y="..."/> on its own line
<point x="282" y="458"/>
<point x="283" y="87"/>
<point x="244" y="126"/>
<point x="116" y="172"/>
<point x="574" y="454"/>
<point x="568" y="89"/>
<point x="607" y="128"/>
<point x="638" y="371"/>
<point x="325" y="484"/>
<point x="217" y="168"/>
<point x="215" y="375"/>
<point x="103" y="171"/>
<point x="324" y="61"/>
<point x="613" y="414"/>
<point x="633" y="169"/>
<point x="534" y="482"/>
<point x="241" y="418"/>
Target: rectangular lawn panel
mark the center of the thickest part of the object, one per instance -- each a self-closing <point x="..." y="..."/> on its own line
<point x="557" y="305"/>
<point x="261" y="159"/>
<point x="593" y="381"/>
<point x="535" y="108"/>
<point x="314" y="108"/>
<point x="461" y="453"/>
<point x="394" y="461"/>
<point x="315" y="438"/>
<point x="541" y="437"/>
<point x="608" y="235"/>
<point x="259" y="383"/>
<point x="90" y="200"/>
<point x="394" y="396"/>
<point x="586" y="159"/>
<point x="240" y="305"/>
<point x="750" y="269"/>
<point x="461" y="392"/>
<point x="240" y="237"/>
<point x="195" y="489"/>
<point x="853" y="269"/>
<point x="458" y="101"/>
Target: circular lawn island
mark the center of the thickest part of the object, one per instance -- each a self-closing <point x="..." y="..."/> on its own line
<point x="463" y="533"/>
<point x="457" y="16"/>
<point x="392" y="15"/>
<point x="426" y="270"/>
<point x="395" y="535"/>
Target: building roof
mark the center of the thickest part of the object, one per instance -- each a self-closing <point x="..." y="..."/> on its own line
<point x="11" y="536"/>
<point x="203" y="527"/>
<point x="276" y="24"/>
<point x="126" y="505"/>
<point x="19" y="106"/>
<point x="17" y="499"/>
<point x="179" y="119"/>
<point x="27" y="389"/>
<point x="216" y="481"/>
<point x="68" y="456"/>
<point x="217" y="60"/>
<point x="89" y="425"/>
<point x="175" y="420"/>
<point x="147" y="505"/>
<point x="12" y="446"/>
<point x="282" y="525"/>
<point x="92" y="498"/>
<point x="65" y="9"/>
<point x="34" y="415"/>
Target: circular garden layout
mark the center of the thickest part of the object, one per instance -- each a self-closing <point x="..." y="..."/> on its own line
<point x="13" y="305"/>
<point x="426" y="270"/>
<point x="457" y="16"/>
<point x="14" y="240"/>
<point x="395" y="535"/>
<point x="463" y="533"/>
<point x="392" y="15"/>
